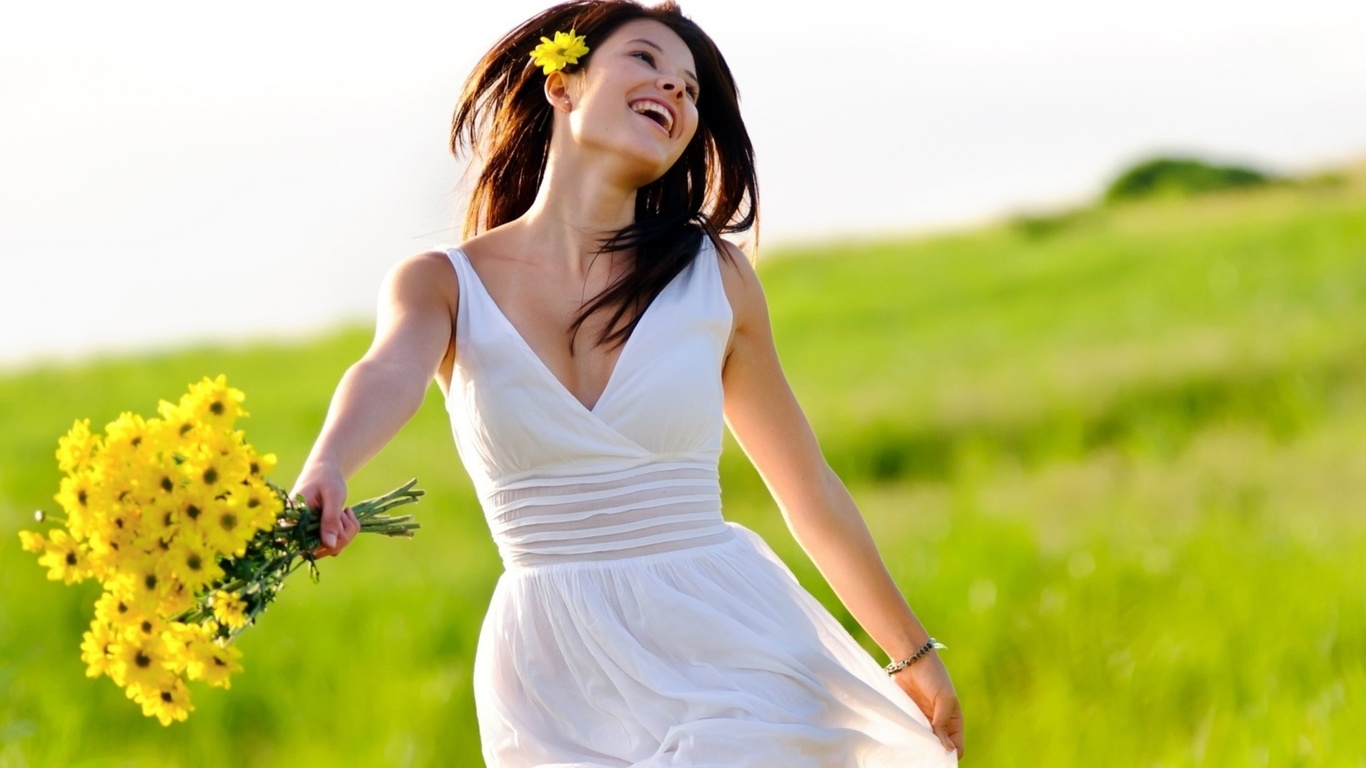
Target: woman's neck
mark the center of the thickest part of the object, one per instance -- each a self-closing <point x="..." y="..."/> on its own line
<point x="578" y="205"/>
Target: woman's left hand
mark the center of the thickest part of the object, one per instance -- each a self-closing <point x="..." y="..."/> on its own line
<point x="927" y="683"/>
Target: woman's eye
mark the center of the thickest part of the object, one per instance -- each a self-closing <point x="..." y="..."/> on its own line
<point x="649" y="58"/>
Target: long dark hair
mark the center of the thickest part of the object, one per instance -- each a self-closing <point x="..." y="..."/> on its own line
<point x="504" y="121"/>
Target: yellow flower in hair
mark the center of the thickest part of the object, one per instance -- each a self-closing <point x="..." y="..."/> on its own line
<point x="553" y="55"/>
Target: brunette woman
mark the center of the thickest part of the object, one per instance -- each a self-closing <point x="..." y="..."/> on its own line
<point x="591" y="337"/>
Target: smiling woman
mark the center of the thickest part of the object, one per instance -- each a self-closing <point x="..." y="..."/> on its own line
<point x="593" y="335"/>
<point x="507" y="113"/>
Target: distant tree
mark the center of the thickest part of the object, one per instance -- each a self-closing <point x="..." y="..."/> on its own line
<point x="1181" y="177"/>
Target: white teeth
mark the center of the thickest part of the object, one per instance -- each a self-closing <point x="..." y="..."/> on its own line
<point x="649" y="106"/>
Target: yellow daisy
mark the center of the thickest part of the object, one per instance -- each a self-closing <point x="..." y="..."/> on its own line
<point x="229" y="609"/>
<point x="139" y="662"/>
<point x="64" y="558"/>
<point x="97" y="648"/>
<point x="77" y="496"/>
<point x="554" y="55"/>
<point x="32" y="542"/>
<point x="141" y="584"/>
<point x="261" y="505"/>
<point x="167" y="700"/>
<point x="75" y="449"/>
<point x="125" y="441"/>
<point x="214" y="403"/>
<point x="113" y="610"/>
<point x="261" y="464"/>
<point x="227" y="529"/>
<point x="192" y="562"/>
<point x="216" y="665"/>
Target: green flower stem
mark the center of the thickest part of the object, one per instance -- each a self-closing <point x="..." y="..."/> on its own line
<point x="370" y="513"/>
<point x="258" y="575"/>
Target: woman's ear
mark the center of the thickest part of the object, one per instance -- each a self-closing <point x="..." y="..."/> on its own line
<point x="557" y="90"/>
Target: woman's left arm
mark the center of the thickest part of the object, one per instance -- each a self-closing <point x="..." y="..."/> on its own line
<point x="767" y="421"/>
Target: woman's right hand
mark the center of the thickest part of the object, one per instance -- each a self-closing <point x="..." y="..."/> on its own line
<point x="382" y="390"/>
<point x="323" y="487"/>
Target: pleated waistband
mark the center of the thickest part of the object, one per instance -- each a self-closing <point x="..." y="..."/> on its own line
<point x="639" y="511"/>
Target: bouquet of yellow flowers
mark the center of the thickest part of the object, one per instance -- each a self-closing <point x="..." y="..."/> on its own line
<point x="175" y="518"/>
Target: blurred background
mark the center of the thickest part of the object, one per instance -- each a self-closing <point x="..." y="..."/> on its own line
<point x="1075" y="296"/>
<point x="156" y="150"/>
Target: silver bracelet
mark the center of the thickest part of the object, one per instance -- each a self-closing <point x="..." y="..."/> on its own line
<point x="930" y="645"/>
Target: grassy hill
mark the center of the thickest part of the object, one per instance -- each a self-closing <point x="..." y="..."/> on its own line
<point x="1116" y="465"/>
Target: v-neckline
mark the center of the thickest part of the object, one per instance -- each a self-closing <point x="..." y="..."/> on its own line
<point x="541" y="364"/>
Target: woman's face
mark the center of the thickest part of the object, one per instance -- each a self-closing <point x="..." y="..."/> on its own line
<point x="637" y="96"/>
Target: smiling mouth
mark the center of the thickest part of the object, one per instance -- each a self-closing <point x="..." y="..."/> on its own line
<point x="655" y="112"/>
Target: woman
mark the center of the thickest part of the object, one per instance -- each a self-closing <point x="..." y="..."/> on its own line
<point x="590" y="337"/>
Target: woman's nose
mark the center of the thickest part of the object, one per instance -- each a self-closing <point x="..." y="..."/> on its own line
<point x="672" y="87"/>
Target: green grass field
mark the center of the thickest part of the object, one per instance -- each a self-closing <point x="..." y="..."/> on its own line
<point x="1119" y="468"/>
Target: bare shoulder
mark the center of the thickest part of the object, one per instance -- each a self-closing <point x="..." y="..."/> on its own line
<point x="428" y="265"/>
<point x="413" y="325"/>
<point x="429" y="258"/>
<point x="741" y="282"/>
<point x="425" y="276"/>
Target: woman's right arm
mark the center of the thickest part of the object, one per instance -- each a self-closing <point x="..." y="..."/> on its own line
<point x="382" y="390"/>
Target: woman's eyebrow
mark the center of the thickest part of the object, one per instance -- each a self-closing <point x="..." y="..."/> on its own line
<point x="643" y="41"/>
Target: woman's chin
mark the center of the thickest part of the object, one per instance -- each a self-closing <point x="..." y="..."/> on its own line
<point x="640" y="159"/>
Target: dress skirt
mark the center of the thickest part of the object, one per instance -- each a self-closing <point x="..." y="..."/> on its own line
<point x="707" y="656"/>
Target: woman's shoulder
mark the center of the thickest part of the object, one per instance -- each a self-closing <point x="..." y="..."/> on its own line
<point x="439" y="268"/>
<point x="427" y="260"/>
<point x="428" y="266"/>
<point x="738" y="277"/>
<point x="475" y="250"/>
<point x="425" y="277"/>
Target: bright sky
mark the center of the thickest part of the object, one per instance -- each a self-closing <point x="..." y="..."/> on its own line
<point x="175" y="171"/>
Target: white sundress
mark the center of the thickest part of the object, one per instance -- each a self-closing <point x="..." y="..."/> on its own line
<point x="633" y="625"/>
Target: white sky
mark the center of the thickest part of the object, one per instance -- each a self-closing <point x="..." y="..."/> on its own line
<point x="175" y="171"/>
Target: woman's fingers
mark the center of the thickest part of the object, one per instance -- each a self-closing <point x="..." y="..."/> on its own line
<point x="947" y="723"/>
<point x="322" y="488"/>
<point x="331" y="526"/>
<point x="940" y="724"/>
<point x="338" y="525"/>
<point x="350" y="527"/>
<point x="927" y="684"/>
